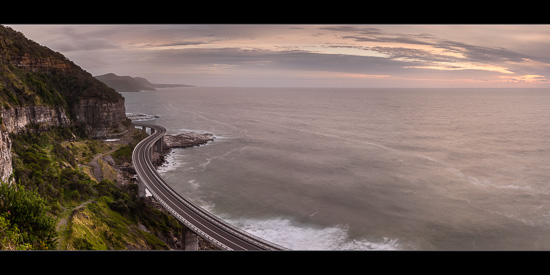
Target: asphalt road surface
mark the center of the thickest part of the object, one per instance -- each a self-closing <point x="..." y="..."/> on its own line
<point x="202" y="222"/>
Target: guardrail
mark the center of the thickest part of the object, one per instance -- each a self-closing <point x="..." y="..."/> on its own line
<point x="148" y="143"/>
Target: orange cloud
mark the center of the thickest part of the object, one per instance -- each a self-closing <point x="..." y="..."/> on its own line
<point x="458" y="66"/>
<point x="530" y="78"/>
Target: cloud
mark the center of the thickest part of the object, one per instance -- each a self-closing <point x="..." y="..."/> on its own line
<point x="279" y="60"/>
<point x="525" y="79"/>
<point x="434" y="52"/>
<point x="173" y="44"/>
<point x="369" y="34"/>
<point x="376" y="53"/>
<point x="353" y="29"/>
<point x="382" y="39"/>
<point x="67" y="45"/>
<point x="67" y="39"/>
<point x="481" y="54"/>
<point x="410" y="53"/>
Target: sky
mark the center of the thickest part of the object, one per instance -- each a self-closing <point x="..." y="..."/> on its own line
<point x="308" y="55"/>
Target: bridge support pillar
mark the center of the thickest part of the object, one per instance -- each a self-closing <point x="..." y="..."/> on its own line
<point x="158" y="146"/>
<point x="144" y="128"/>
<point x="152" y="131"/>
<point x="190" y="240"/>
<point x="141" y="188"/>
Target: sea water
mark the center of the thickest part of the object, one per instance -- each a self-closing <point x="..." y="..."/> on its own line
<point x="365" y="169"/>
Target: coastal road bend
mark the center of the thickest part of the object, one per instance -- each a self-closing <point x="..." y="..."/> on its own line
<point x="202" y="222"/>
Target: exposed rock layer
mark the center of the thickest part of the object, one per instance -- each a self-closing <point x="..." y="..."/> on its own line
<point x="17" y="119"/>
<point x="102" y="118"/>
<point x="5" y="156"/>
<point x="40" y="89"/>
<point x="187" y="139"/>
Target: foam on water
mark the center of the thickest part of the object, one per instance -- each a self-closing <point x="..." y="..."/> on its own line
<point x="185" y="130"/>
<point x="170" y="162"/>
<point x="194" y="184"/>
<point x="485" y="182"/>
<point x="451" y="146"/>
<point x="141" y="117"/>
<point x="299" y="237"/>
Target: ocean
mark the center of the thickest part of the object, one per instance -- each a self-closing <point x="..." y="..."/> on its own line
<point x="365" y="169"/>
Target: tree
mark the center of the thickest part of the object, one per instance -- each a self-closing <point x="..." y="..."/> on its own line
<point x="28" y="216"/>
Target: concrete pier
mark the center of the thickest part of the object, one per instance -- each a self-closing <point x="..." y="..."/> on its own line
<point x="190" y="240"/>
<point x="141" y="188"/>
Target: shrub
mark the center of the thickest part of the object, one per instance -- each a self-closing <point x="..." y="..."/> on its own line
<point x="10" y="236"/>
<point x="123" y="154"/>
<point x="28" y="213"/>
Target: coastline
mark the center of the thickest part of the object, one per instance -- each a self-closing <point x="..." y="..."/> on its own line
<point x="179" y="141"/>
<point x="165" y="160"/>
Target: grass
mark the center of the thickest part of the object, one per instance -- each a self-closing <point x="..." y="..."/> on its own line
<point x="91" y="215"/>
<point x="85" y="149"/>
<point x="97" y="227"/>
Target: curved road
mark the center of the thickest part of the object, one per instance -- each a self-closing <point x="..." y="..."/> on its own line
<point x="202" y="222"/>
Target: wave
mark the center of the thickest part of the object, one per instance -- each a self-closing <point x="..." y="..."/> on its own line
<point x="141" y="117"/>
<point x="216" y="137"/>
<point x="185" y="130"/>
<point x="287" y="234"/>
<point x="194" y="184"/>
<point x="337" y="136"/>
<point x="485" y="182"/>
<point x="203" y="166"/>
<point x="242" y="131"/>
<point x="170" y="162"/>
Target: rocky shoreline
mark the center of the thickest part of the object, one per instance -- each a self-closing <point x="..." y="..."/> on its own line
<point x="170" y="142"/>
<point x="182" y="140"/>
<point x="140" y="117"/>
<point x="188" y="139"/>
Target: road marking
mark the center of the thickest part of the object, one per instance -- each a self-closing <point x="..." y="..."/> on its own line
<point x="163" y="192"/>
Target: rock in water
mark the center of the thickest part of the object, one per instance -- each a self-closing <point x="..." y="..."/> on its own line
<point x="188" y="139"/>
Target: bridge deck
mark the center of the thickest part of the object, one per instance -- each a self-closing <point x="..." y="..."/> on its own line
<point x="202" y="222"/>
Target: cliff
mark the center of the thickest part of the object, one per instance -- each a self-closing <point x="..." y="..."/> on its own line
<point x="124" y="83"/>
<point x="132" y="84"/>
<point x="49" y="109"/>
<point x="40" y="89"/>
<point x="17" y="119"/>
<point x="6" y="168"/>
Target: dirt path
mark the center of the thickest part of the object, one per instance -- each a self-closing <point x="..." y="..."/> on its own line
<point x="98" y="174"/>
<point x="63" y="221"/>
<point x="96" y="167"/>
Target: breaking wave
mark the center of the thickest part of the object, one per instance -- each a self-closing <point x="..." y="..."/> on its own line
<point x="289" y="235"/>
<point x="141" y="117"/>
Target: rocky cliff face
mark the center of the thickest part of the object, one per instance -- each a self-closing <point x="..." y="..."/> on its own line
<point x="35" y="64"/>
<point x="5" y="156"/>
<point x="43" y="89"/>
<point x="17" y="119"/>
<point x="102" y="119"/>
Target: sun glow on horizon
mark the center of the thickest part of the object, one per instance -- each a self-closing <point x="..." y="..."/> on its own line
<point x="392" y="55"/>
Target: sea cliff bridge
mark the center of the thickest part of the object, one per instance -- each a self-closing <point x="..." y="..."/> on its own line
<point x="200" y="221"/>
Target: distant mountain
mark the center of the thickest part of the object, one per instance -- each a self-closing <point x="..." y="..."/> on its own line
<point x="132" y="84"/>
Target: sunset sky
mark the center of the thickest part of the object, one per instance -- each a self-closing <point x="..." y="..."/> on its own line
<point x="308" y="55"/>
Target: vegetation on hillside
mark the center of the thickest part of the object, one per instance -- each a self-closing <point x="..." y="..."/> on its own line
<point x="24" y="221"/>
<point x="54" y="87"/>
<point x="54" y="200"/>
<point x="52" y="190"/>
